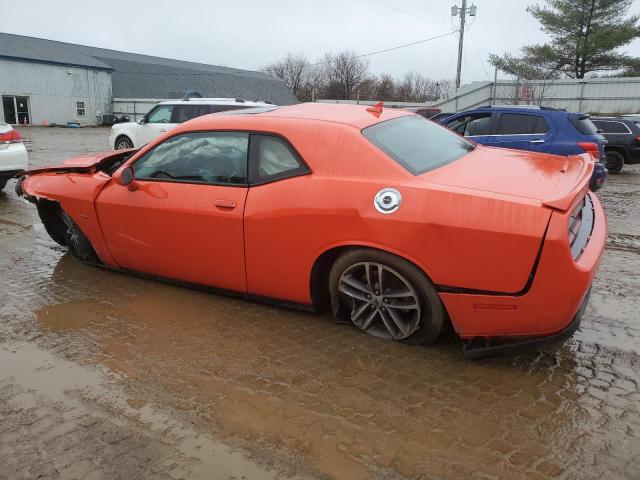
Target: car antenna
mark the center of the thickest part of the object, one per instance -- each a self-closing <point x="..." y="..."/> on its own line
<point x="376" y="109"/>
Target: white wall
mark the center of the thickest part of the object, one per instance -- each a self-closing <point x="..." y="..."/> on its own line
<point x="54" y="90"/>
<point x="135" y="108"/>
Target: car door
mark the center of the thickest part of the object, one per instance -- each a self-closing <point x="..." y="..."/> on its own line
<point x="275" y="222"/>
<point x="521" y="131"/>
<point x="155" y="123"/>
<point x="475" y="126"/>
<point x="185" y="218"/>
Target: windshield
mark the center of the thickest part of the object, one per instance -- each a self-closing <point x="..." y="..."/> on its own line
<point x="417" y="144"/>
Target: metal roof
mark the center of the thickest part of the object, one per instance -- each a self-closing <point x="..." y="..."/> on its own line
<point x="144" y="76"/>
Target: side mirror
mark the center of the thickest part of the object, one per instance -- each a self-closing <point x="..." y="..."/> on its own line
<point x="141" y="121"/>
<point x="127" y="179"/>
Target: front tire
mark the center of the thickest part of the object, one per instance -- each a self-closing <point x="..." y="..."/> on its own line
<point x="79" y="245"/>
<point x="123" y="142"/>
<point x="385" y="296"/>
<point x="614" y="161"/>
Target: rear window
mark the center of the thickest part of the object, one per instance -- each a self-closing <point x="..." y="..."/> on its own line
<point x="583" y="124"/>
<point x="417" y="144"/>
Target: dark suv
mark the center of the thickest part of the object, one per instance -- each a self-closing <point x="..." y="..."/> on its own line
<point x="623" y="141"/>
<point x="537" y="129"/>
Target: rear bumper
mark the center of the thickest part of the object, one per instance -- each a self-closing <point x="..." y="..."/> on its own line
<point x="556" y="294"/>
<point x="474" y="350"/>
<point x="599" y="177"/>
<point x="13" y="159"/>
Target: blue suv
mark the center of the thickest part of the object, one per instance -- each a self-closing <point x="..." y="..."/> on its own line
<point x="537" y="129"/>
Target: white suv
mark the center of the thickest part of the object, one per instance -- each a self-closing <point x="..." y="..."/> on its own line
<point x="166" y="115"/>
<point x="13" y="154"/>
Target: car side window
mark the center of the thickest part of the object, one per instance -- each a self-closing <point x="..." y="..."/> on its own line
<point x="471" y="125"/>
<point x="160" y="114"/>
<point x="520" y="124"/>
<point x="182" y="113"/>
<point x="204" y="157"/>
<point x="272" y="158"/>
<point x="608" y="126"/>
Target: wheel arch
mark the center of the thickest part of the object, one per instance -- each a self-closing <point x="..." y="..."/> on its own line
<point x="319" y="277"/>
<point x="619" y="149"/>
<point x="123" y="135"/>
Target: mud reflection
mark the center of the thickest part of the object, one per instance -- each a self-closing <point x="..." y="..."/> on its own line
<point x="352" y="405"/>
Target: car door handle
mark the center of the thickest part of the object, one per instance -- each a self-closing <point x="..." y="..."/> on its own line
<point x="162" y="130"/>
<point x="225" y="203"/>
<point x="537" y="142"/>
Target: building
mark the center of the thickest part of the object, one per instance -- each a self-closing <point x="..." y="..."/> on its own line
<point x="48" y="82"/>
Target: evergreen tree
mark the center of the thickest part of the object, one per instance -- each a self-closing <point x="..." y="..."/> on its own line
<point x="586" y="38"/>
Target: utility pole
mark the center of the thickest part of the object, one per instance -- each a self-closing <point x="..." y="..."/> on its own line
<point x="463" y="11"/>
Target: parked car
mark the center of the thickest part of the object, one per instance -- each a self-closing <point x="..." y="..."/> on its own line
<point x="536" y="129"/>
<point x="426" y="112"/>
<point x="623" y="141"/>
<point x="166" y="115"/>
<point x="13" y="154"/>
<point x="634" y="117"/>
<point x="394" y="222"/>
<point x="438" y="117"/>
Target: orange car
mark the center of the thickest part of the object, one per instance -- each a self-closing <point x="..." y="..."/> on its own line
<point x="394" y="222"/>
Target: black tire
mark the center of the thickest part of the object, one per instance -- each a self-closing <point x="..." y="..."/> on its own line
<point x="18" y="187"/>
<point x="3" y="182"/>
<point x="123" y="142"/>
<point x="614" y="161"/>
<point x="78" y="244"/>
<point x="429" y="316"/>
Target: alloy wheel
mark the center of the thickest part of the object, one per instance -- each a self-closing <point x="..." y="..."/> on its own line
<point x="383" y="302"/>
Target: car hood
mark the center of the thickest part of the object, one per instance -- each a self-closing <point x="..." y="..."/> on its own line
<point x="82" y="163"/>
<point x="554" y="180"/>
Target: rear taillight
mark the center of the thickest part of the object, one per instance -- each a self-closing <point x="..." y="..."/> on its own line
<point x="590" y="147"/>
<point x="12" y="136"/>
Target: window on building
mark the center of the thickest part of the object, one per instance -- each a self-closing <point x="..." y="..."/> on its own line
<point x="80" y="109"/>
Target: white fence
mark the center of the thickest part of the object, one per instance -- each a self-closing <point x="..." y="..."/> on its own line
<point x="597" y="95"/>
<point x="590" y="95"/>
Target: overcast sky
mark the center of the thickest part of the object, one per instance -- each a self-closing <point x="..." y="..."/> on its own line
<point x="251" y="33"/>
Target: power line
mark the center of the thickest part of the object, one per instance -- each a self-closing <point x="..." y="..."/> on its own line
<point x="405" y="12"/>
<point x="398" y="47"/>
<point x="475" y="46"/>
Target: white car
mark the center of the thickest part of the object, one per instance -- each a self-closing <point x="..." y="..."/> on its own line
<point x="13" y="154"/>
<point x="166" y="115"/>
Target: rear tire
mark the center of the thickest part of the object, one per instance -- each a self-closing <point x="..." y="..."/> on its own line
<point x="369" y="288"/>
<point x="614" y="161"/>
<point x="123" y="142"/>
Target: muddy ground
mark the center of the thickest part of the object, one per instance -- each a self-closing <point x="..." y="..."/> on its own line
<point x="104" y="375"/>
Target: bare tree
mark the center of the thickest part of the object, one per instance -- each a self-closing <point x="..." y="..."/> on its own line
<point x="386" y="87"/>
<point x="295" y="71"/>
<point x="344" y="72"/>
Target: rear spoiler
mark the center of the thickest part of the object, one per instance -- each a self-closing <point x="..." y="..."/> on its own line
<point x="565" y="201"/>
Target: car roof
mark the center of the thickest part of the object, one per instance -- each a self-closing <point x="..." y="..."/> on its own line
<point x="358" y="116"/>
<point x="216" y="101"/>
